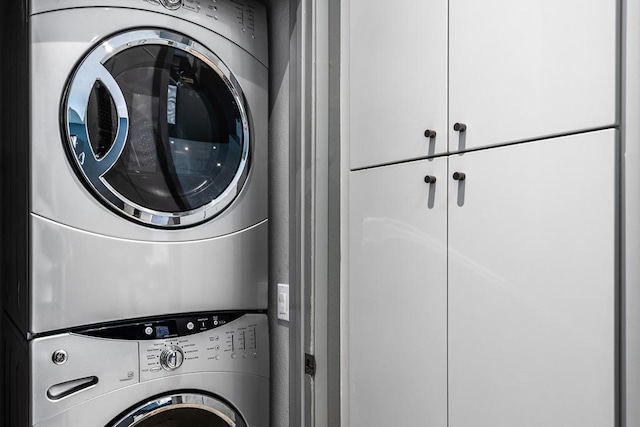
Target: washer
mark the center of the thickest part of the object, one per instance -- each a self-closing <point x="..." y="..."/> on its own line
<point x="204" y="370"/>
<point x="148" y="161"/>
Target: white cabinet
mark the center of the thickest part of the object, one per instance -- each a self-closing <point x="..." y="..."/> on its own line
<point x="398" y="296"/>
<point x="532" y="284"/>
<point x="508" y="70"/>
<point x="521" y="70"/>
<point x="504" y="282"/>
<point x="397" y="80"/>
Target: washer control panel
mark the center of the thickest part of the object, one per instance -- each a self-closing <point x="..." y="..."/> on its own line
<point x="154" y="329"/>
<point x="72" y="368"/>
<point x="235" y="342"/>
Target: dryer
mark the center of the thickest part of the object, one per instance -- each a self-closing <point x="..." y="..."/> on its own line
<point x="202" y="370"/>
<point x="144" y="162"/>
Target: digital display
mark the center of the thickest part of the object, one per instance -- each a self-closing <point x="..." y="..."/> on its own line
<point x="162" y="331"/>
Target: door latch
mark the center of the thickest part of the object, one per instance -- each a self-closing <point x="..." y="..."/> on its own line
<point x="309" y="365"/>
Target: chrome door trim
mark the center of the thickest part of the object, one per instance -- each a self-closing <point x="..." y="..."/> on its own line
<point x="92" y="69"/>
<point x="174" y="401"/>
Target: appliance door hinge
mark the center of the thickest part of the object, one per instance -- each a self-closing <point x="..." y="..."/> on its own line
<point x="310" y="365"/>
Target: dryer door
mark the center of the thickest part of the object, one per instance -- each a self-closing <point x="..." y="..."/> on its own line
<point x="157" y="127"/>
<point x="181" y="410"/>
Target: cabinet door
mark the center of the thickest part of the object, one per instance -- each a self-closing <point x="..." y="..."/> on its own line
<point x="397" y="80"/>
<point x="521" y="70"/>
<point x="532" y="284"/>
<point x="397" y="296"/>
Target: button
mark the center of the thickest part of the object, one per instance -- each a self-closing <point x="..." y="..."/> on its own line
<point x="217" y="357"/>
<point x="190" y="326"/>
<point x="215" y="323"/>
<point x="148" y="330"/>
<point x="156" y="369"/>
<point x="255" y="355"/>
<point x="233" y="355"/>
<point x="244" y="355"/>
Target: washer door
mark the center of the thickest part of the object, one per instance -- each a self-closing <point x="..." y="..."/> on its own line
<point x="157" y="128"/>
<point x="181" y="410"/>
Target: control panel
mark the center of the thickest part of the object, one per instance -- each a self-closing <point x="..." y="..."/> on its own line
<point x="154" y="329"/>
<point x="82" y="364"/>
<point x="235" y="344"/>
<point x="240" y="12"/>
<point x="239" y="18"/>
<point x="201" y="343"/>
<point x="244" y="22"/>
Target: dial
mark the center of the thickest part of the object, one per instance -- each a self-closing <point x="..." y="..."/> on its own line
<point x="171" y="4"/>
<point x="171" y="358"/>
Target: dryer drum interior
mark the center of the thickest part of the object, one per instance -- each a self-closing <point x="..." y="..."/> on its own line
<point x="181" y="410"/>
<point x="157" y="127"/>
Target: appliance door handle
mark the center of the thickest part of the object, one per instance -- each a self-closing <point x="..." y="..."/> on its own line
<point x="78" y="101"/>
<point x="62" y="390"/>
<point x="122" y="113"/>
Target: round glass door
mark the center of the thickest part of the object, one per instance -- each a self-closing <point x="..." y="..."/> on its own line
<point x="181" y="410"/>
<point x="157" y="127"/>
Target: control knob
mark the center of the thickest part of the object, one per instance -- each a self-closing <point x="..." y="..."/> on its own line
<point x="171" y="358"/>
<point x="171" y="4"/>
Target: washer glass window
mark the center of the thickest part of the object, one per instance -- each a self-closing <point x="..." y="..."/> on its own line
<point x="158" y="128"/>
<point x="181" y="410"/>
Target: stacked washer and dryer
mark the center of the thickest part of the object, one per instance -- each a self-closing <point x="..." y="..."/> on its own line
<point x="136" y="280"/>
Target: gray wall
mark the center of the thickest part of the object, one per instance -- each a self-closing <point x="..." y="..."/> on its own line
<point x="630" y="250"/>
<point x="279" y="25"/>
<point x="299" y="202"/>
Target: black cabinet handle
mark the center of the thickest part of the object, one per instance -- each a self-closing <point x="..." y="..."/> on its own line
<point x="430" y="133"/>
<point x="459" y="176"/>
<point x="429" y="179"/>
<point x="459" y="127"/>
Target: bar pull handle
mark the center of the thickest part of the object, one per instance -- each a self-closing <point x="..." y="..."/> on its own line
<point x="459" y="127"/>
<point x="430" y="133"/>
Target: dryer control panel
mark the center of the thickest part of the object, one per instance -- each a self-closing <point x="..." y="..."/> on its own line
<point x="242" y="21"/>
<point x="233" y="342"/>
